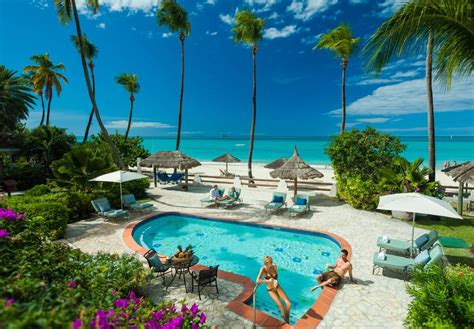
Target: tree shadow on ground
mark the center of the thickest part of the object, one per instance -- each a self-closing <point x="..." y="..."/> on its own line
<point x="322" y="200"/>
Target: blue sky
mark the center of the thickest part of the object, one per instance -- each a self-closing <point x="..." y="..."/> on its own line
<point x="298" y="88"/>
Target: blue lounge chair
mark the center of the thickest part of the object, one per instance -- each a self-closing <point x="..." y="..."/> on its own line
<point x="278" y="201"/>
<point x="102" y="207"/>
<point x="233" y="201"/>
<point x="129" y="201"/>
<point x="207" y="200"/>
<point x="163" y="178"/>
<point x="422" y="243"/>
<point x="301" y="205"/>
<point x="176" y="178"/>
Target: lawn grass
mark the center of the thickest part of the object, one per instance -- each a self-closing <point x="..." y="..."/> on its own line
<point x="463" y="229"/>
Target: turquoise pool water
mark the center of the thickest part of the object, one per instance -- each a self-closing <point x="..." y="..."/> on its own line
<point x="239" y="248"/>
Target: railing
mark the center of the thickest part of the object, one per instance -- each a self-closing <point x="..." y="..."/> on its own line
<point x="255" y="306"/>
<point x="454" y="189"/>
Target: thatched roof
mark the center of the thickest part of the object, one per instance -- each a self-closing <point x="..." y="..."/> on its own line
<point x="276" y="164"/>
<point x="462" y="173"/>
<point x="296" y="168"/>
<point x="227" y="158"/>
<point x="170" y="159"/>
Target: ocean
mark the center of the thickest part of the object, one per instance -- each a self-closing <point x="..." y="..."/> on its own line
<point x="311" y="149"/>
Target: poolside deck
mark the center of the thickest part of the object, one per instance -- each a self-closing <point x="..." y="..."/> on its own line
<point x="374" y="301"/>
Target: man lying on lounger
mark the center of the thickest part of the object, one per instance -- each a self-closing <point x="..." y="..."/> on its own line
<point x="334" y="277"/>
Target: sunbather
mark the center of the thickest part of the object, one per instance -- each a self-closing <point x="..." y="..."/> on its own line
<point x="232" y="195"/>
<point x="334" y="277"/>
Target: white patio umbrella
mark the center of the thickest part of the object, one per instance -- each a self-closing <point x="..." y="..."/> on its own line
<point x="118" y="176"/>
<point x="417" y="203"/>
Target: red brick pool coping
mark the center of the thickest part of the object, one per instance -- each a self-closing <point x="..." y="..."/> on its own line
<point x="312" y="317"/>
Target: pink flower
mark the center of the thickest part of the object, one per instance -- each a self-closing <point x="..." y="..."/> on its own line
<point x="202" y="318"/>
<point x="158" y="316"/>
<point x="184" y="309"/>
<point x="9" y="302"/>
<point x="121" y="303"/>
<point x="76" y="324"/>
<point x="9" y="215"/>
<point x="72" y="284"/>
<point x="114" y="292"/>
<point x="194" y="309"/>
<point x="3" y="233"/>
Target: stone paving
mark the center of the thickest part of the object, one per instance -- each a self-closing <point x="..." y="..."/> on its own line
<point x="373" y="301"/>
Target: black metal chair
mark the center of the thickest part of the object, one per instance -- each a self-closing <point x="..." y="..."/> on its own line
<point x="205" y="278"/>
<point x="156" y="265"/>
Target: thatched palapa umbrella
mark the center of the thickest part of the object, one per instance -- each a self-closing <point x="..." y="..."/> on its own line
<point x="296" y="168"/>
<point x="170" y="159"/>
<point x="227" y="158"/>
<point x="276" y="164"/>
<point x="462" y="173"/>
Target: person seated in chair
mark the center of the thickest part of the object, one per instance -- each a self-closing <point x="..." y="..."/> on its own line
<point x="334" y="277"/>
<point x="232" y="195"/>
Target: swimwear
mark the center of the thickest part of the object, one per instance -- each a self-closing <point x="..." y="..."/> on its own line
<point x="331" y="275"/>
<point x="269" y="275"/>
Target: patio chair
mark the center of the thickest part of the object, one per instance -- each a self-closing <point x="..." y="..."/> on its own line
<point x="155" y="264"/>
<point x="301" y="205"/>
<point x="102" y="207"/>
<point x="423" y="242"/>
<point x="278" y="201"/>
<point x="208" y="201"/>
<point x="163" y="178"/>
<point x="398" y="263"/>
<point x="176" y="178"/>
<point x="129" y="201"/>
<point x="233" y="201"/>
<point x="205" y="278"/>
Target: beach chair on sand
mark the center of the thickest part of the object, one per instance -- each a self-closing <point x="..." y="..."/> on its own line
<point x="397" y="263"/>
<point x="163" y="178"/>
<point x="176" y="178"/>
<point x="278" y="201"/>
<point x="129" y="201"/>
<point x="301" y="205"/>
<point x="423" y="242"/>
<point x="208" y="201"/>
<point x="233" y="201"/>
<point x="102" y="207"/>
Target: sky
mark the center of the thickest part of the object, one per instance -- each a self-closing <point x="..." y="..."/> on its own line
<point x="298" y="88"/>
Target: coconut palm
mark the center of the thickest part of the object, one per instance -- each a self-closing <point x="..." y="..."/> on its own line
<point x="45" y="74"/>
<point x="440" y="26"/>
<point x="90" y="52"/>
<point x="130" y="83"/>
<point x="343" y="44"/>
<point x="248" y="30"/>
<point x="175" y="17"/>
<point x="39" y="91"/>
<point x="67" y="11"/>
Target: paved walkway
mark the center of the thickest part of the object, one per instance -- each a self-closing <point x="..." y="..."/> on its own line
<point x="374" y="301"/>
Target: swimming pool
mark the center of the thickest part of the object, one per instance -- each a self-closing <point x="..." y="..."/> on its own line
<point x="239" y="248"/>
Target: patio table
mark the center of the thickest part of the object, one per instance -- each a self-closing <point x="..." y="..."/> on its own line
<point x="181" y="268"/>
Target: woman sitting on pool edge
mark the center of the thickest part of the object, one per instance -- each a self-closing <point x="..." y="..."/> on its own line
<point x="269" y="272"/>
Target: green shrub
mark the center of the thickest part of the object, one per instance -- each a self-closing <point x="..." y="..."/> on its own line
<point x="359" y="193"/>
<point x="38" y="190"/>
<point x="130" y="149"/>
<point x="442" y="298"/>
<point x="28" y="175"/>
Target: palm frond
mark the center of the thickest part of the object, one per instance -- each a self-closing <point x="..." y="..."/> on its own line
<point x="340" y="41"/>
<point x="129" y="82"/>
<point x="248" y="28"/>
<point x="64" y="11"/>
<point x="174" y="16"/>
<point x="89" y="49"/>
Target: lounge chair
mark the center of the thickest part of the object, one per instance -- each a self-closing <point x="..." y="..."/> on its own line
<point x="423" y="242"/>
<point x="226" y="174"/>
<point x="278" y="201"/>
<point x="163" y="178"/>
<point x="301" y="205"/>
<point x="207" y="200"/>
<point x="231" y="202"/>
<point x="176" y="178"/>
<point x="398" y="263"/>
<point x="102" y="207"/>
<point x="129" y="201"/>
<point x="156" y="265"/>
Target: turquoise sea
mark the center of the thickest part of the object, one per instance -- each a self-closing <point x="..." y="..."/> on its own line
<point x="311" y="149"/>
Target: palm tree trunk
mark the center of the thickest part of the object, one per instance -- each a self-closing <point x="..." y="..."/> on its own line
<point x="49" y="107"/>
<point x="105" y="134"/>
<point x="180" y="113"/>
<point x="132" y="98"/>
<point x="42" y="107"/>
<point x="343" y="119"/>
<point x="91" y="115"/>
<point x="429" y="94"/>
<point x="254" y="114"/>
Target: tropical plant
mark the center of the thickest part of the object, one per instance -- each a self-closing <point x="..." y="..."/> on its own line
<point x="174" y="16"/>
<point x="66" y="11"/>
<point x="81" y="164"/>
<point x="440" y="26"/>
<point x="403" y="177"/>
<point x="90" y="53"/>
<point x="248" y="30"/>
<point x="46" y="75"/>
<point x="130" y="149"/>
<point x="130" y="83"/>
<point x="39" y="91"/>
<point x="343" y="44"/>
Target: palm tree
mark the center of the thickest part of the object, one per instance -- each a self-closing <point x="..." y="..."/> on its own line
<point x="441" y="26"/>
<point x="248" y="30"/>
<point x="39" y="91"/>
<point x="67" y="10"/>
<point x="341" y="42"/>
<point x="175" y="17"/>
<point x="90" y="52"/>
<point x="46" y="75"/>
<point x="130" y="83"/>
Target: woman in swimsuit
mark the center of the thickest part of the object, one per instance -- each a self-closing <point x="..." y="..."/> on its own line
<point x="269" y="272"/>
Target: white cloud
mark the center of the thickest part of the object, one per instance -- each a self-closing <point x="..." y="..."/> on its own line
<point x="211" y="33"/>
<point x="211" y="2"/>
<point x="373" y="120"/>
<point x="167" y="34"/>
<point x="273" y="15"/>
<point x="388" y="7"/>
<point x="406" y="74"/>
<point x="101" y="26"/>
<point x="305" y="9"/>
<point x="409" y="97"/>
<point x="311" y="41"/>
<point x="121" y="124"/>
<point x="227" y="19"/>
<point x="41" y="4"/>
<point x="264" y="5"/>
<point x="273" y="33"/>
<point x="391" y="130"/>
<point x="146" y="6"/>
<point x="376" y="81"/>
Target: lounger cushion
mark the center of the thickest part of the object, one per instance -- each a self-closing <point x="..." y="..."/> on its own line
<point x="103" y="206"/>
<point x="141" y="205"/>
<point x="300" y="202"/>
<point x="129" y="199"/>
<point x="422" y="258"/>
<point x="297" y="208"/>
<point x="155" y="261"/>
<point x="421" y="240"/>
<point x="393" y="262"/>
<point x="277" y="199"/>
<point x="394" y="245"/>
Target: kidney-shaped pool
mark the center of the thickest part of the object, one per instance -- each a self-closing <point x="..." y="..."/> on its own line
<point x="239" y="248"/>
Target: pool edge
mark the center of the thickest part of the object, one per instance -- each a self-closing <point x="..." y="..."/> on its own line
<point x="310" y="319"/>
